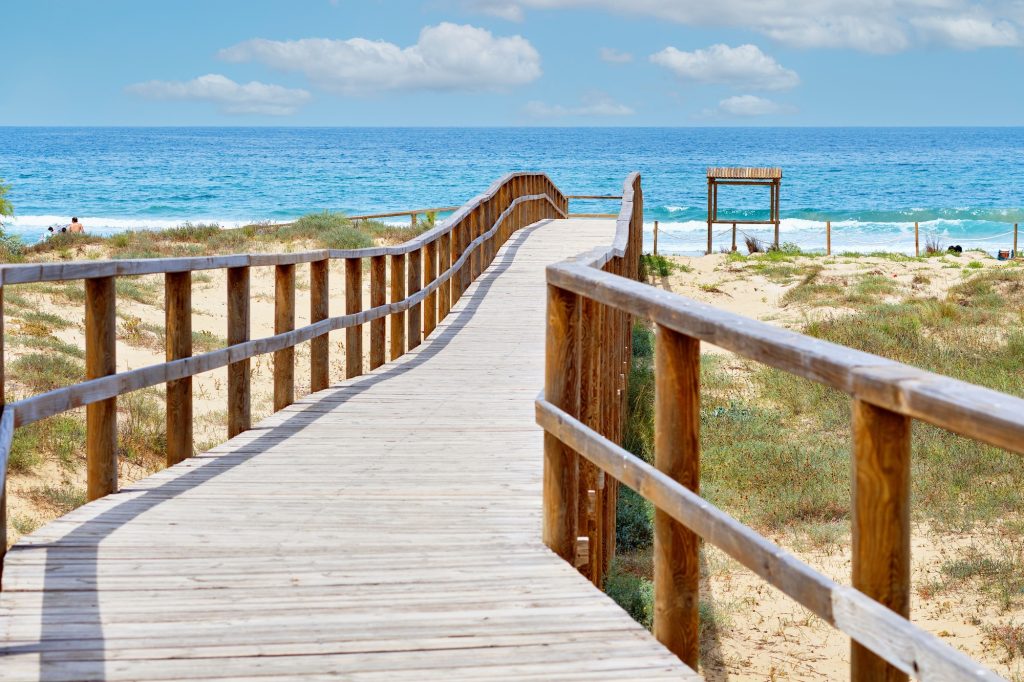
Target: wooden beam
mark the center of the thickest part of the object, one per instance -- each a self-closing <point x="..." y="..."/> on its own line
<point x="429" y="275"/>
<point x="378" y="297"/>
<point x="415" y="316"/>
<point x="284" y="321"/>
<point x="239" y="395"/>
<point x="561" y="388"/>
<point x="677" y="454"/>
<point x="101" y="360"/>
<point x="178" y="326"/>
<point x="397" y="295"/>
<point x="353" y="304"/>
<point x="881" y="523"/>
<point x="319" y="309"/>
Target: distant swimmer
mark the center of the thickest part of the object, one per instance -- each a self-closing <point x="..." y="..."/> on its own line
<point x="75" y="227"/>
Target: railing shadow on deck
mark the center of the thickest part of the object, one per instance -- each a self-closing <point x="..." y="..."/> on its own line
<point x="85" y="535"/>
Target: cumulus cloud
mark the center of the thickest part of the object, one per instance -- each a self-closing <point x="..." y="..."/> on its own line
<point x="745" y="65"/>
<point x="446" y="57"/>
<point x="592" y="105"/>
<point x="613" y="56"/>
<point x="966" y="32"/>
<point x="751" y="105"/>
<point x="230" y="97"/>
<point x="879" y="26"/>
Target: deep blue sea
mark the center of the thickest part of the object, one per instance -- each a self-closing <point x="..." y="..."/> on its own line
<point x="965" y="185"/>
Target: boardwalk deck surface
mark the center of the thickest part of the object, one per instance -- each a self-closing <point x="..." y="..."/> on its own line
<point x="384" y="529"/>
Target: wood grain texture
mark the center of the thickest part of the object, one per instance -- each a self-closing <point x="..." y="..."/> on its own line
<point x="319" y="309"/>
<point x="881" y="523"/>
<point x="178" y="329"/>
<point x="677" y="454"/>
<point x="100" y="360"/>
<point x="353" y="304"/>
<point x="314" y="546"/>
<point x="378" y="297"/>
<point x="397" y="319"/>
<point x="284" y="321"/>
<point x="239" y="388"/>
<point x="414" y="264"/>
<point x="562" y="386"/>
<point x="430" y="302"/>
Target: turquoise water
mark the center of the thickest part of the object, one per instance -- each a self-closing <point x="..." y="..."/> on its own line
<point x="965" y="185"/>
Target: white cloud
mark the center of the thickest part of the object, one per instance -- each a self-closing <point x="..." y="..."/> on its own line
<point x="751" y="105"/>
<point x="596" y="104"/>
<point x="446" y="57"/>
<point x="613" y="56"/>
<point x="968" y="32"/>
<point x="509" y="11"/>
<point x="745" y="65"/>
<point x="879" y="26"/>
<point x="231" y="97"/>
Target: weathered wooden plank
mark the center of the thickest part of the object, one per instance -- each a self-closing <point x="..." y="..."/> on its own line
<point x="178" y="326"/>
<point x="101" y="360"/>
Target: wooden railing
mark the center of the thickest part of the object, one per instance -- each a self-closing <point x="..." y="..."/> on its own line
<point x="428" y="275"/>
<point x="886" y="397"/>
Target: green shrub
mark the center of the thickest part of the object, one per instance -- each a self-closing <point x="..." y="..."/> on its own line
<point x="633" y="593"/>
<point x="40" y="372"/>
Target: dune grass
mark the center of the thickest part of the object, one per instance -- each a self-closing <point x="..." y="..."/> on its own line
<point x="776" y="448"/>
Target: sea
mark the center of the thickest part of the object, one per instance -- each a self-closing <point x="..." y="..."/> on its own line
<point x="961" y="185"/>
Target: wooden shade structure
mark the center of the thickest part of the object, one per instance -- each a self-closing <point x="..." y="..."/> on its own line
<point x="768" y="177"/>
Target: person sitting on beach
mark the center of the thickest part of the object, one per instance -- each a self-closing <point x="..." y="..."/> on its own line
<point x="76" y="227"/>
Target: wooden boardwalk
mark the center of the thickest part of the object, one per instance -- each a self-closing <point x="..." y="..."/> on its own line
<point x="387" y="528"/>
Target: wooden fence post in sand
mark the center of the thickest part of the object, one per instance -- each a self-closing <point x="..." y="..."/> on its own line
<point x="239" y="396"/>
<point x="677" y="453"/>
<point x="378" y="297"/>
<point x="178" y="325"/>
<point x="100" y="361"/>
<point x="353" y="304"/>
<point x="319" y="309"/>
<point x="655" y="237"/>
<point x="284" y="321"/>
<point x="734" y="236"/>
<point x="881" y="523"/>
<point x="828" y="237"/>
<point x="917" y="243"/>
<point x="561" y="388"/>
<point x="1016" y="253"/>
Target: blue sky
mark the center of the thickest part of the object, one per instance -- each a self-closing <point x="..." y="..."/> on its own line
<point x="514" y="62"/>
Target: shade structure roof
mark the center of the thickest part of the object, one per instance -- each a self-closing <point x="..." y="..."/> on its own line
<point x="744" y="173"/>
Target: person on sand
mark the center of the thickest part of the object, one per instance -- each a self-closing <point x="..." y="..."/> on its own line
<point x="76" y="227"/>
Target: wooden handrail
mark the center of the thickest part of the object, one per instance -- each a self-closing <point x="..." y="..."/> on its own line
<point x="886" y="396"/>
<point x="509" y="204"/>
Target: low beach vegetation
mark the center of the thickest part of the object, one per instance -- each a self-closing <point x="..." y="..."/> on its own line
<point x="776" y="448"/>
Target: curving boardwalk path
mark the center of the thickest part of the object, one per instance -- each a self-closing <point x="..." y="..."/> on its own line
<point x="384" y="529"/>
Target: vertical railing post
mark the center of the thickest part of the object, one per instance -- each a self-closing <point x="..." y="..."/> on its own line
<point x="378" y="297"/>
<point x="828" y="237"/>
<point x="466" y="272"/>
<point x="881" y="523"/>
<point x="284" y="321"/>
<point x="429" y="275"/>
<point x="444" y="292"/>
<point x="917" y="242"/>
<point x="178" y="326"/>
<point x="100" y="361"/>
<point x="3" y="474"/>
<point x="474" y="258"/>
<point x="353" y="304"/>
<point x="414" y="271"/>
<point x="655" y="237"/>
<point x="397" y="296"/>
<point x="677" y="454"/>
<point x="239" y="400"/>
<point x="561" y="388"/>
<point x="319" y="309"/>
<point x="591" y="519"/>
